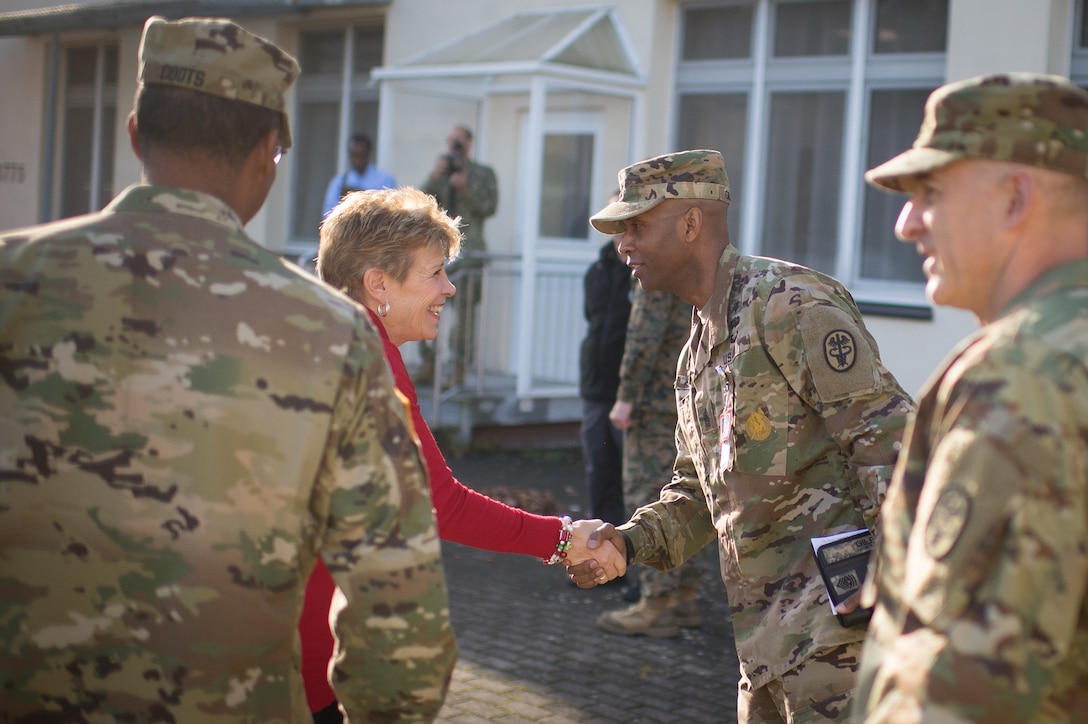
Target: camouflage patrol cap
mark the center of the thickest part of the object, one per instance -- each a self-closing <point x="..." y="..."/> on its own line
<point x="1028" y="118"/>
<point x="216" y="56"/>
<point x="679" y="175"/>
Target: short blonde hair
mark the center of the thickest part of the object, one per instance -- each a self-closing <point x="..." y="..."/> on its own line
<point x="381" y="230"/>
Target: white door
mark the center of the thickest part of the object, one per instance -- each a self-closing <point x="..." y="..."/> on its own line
<point x="563" y="247"/>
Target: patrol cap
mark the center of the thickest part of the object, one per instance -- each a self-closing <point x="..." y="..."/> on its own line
<point x="1029" y="118"/>
<point x="219" y="57"/>
<point x="679" y="175"/>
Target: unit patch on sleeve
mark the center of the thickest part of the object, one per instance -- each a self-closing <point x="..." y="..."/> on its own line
<point x="838" y="354"/>
<point x="947" y="521"/>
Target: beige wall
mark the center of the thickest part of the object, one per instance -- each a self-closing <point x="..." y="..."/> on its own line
<point x="21" y="116"/>
<point x="913" y="349"/>
<point x="988" y="36"/>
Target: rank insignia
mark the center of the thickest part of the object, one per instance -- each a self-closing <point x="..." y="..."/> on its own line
<point x="758" y="426"/>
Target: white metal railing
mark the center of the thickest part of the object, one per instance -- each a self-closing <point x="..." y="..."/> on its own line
<point x="479" y="359"/>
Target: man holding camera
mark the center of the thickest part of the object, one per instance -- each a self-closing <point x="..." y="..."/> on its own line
<point x="468" y="190"/>
<point x="464" y="188"/>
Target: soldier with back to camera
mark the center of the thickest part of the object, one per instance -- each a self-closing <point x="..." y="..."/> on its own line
<point x="187" y="423"/>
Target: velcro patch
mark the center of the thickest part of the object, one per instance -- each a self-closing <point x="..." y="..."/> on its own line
<point x="839" y="356"/>
<point x="947" y="521"/>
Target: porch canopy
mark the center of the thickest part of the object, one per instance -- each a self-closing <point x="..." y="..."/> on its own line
<point x="584" y="50"/>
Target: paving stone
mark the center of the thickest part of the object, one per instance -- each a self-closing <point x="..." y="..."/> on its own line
<point x="530" y="651"/>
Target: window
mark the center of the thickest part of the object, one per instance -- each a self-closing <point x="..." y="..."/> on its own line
<point x="85" y="179"/>
<point x="801" y="96"/>
<point x="335" y="99"/>
<point x="718" y="121"/>
<point x="565" y="185"/>
<point x="1078" y="71"/>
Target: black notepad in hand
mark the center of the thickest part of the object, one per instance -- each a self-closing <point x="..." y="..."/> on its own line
<point x="843" y="560"/>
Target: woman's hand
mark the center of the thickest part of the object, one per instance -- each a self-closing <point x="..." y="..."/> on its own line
<point x="597" y="554"/>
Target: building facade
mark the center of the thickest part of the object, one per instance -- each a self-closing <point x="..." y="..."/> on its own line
<point x="800" y="96"/>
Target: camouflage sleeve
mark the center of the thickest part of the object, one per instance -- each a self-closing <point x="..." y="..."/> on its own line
<point x="678" y="524"/>
<point x="997" y="565"/>
<point x="396" y="647"/>
<point x="481" y="197"/>
<point x="828" y="357"/>
<point x="651" y="315"/>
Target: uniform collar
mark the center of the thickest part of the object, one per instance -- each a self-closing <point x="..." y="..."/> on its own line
<point x="170" y="199"/>
<point x="714" y="315"/>
<point x="1064" y="276"/>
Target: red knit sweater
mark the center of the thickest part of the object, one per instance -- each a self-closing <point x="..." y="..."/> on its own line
<point x="464" y="516"/>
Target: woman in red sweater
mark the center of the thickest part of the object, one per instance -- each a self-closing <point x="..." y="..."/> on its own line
<point x="388" y="250"/>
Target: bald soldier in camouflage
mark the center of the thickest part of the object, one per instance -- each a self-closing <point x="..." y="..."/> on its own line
<point x="187" y="423"/>
<point x="981" y="582"/>
<point x="788" y="429"/>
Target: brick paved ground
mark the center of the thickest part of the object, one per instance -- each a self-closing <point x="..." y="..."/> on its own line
<point x="529" y="651"/>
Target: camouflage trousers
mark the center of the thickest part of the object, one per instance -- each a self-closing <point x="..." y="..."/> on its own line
<point x="819" y="689"/>
<point x="649" y="451"/>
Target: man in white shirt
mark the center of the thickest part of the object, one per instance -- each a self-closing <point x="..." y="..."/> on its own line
<point x="362" y="176"/>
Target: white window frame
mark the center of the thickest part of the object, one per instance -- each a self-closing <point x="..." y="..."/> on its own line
<point x="857" y="75"/>
<point x="349" y="88"/>
<point x="102" y="96"/>
<point x="1078" y="64"/>
<point x="589" y="123"/>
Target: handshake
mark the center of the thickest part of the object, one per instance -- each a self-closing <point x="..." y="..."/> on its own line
<point x="597" y="553"/>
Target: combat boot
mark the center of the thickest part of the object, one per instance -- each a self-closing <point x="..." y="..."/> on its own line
<point x="652" y="616"/>
<point x="686" y="613"/>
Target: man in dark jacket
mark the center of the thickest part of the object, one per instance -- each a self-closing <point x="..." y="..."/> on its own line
<point x="607" y="306"/>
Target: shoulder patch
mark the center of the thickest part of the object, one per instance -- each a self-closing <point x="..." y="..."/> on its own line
<point x="839" y="356"/>
<point x="840" y="349"/>
<point x="947" y="521"/>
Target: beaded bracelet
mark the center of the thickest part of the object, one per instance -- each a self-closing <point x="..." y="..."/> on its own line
<point x="566" y="535"/>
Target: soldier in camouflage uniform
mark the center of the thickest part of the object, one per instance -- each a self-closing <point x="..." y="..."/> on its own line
<point x="981" y="581"/>
<point x="788" y="429"/>
<point x="645" y="410"/>
<point x="187" y="424"/>
<point x="468" y="191"/>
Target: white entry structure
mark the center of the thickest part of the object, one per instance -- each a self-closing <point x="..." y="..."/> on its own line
<point x="541" y="89"/>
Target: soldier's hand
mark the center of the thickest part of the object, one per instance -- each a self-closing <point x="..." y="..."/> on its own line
<point x="620" y="415"/>
<point x="607" y="547"/>
<point x="441" y="166"/>
<point x="850" y="604"/>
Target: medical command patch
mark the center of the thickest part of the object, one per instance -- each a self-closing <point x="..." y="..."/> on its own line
<point x="839" y="357"/>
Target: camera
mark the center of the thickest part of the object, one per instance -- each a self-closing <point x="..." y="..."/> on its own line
<point x="455" y="158"/>
<point x="453" y="162"/>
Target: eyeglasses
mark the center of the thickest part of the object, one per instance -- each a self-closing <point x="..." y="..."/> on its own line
<point x="278" y="154"/>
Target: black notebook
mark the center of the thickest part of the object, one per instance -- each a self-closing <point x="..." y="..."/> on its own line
<point x="843" y="559"/>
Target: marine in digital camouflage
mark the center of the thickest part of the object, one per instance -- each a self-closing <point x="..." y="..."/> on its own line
<point x="656" y="331"/>
<point x="981" y="578"/>
<point x="186" y="424"/>
<point x="816" y="422"/>
<point x="1036" y="120"/>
